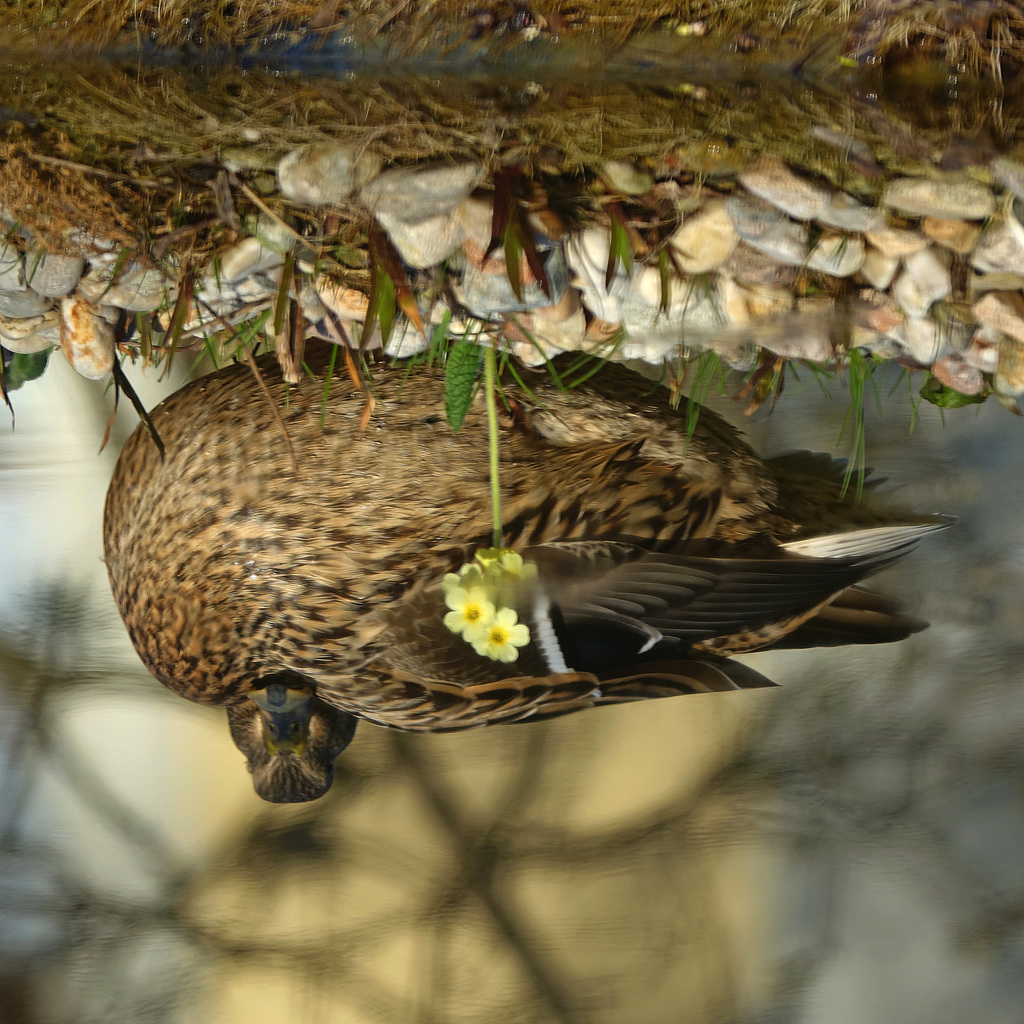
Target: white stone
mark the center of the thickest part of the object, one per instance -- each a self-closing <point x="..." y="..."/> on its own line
<point x="1002" y="311"/>
<point x="896" y="242"/>
<point x="704" y="241"/>
<point x="1010" y="173"/>
<point x="325" y="173"/>
<point x="742" y="303"/>
<point x="244" y="258"/>
<point x="418" y="207"/>
<point x="87" y="337"/>
<point x="52" y="275"/>
<point x="923" y="339"/>
<point x="626" y="177"/>
<point x="421" y="192"/>
<point x="999" y="250"/>
<point x="1009" y="375"/>
<point x="12" y="269"/>
<point x="476" y="216"/>
<point x="771" y="180"/>
<point x="587" y="257"/>
<point x="983" y="350"/>
<point x="23" y="303"/>
<point x="770" y="232"/>
<point x="924" y="281"/>
<point x="838" y="255"/>
<point x="30" y="334"/>
<point x="344" y="302"/>
<point x="845" y="213"/>
<point x="137" y="288"/>
<point x="425" y="243"/>
<point x="752" y="267"/>
<point x="878" y="269"/>
<point x="929" y="197"/>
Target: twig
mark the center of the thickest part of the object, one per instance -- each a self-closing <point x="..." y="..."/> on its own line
<point x="100" y="172"/>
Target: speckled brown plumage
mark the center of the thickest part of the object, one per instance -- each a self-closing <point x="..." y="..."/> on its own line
<point x="229" y="564"/>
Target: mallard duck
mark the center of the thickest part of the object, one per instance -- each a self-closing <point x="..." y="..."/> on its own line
<point x="306" y="582"/>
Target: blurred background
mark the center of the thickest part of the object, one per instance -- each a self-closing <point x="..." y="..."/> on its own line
<point x="846" y="848"/>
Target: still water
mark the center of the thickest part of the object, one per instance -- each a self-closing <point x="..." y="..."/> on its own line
<point x="843" y="848"/>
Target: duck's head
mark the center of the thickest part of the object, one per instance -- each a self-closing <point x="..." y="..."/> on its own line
<point x="290" y="738"/>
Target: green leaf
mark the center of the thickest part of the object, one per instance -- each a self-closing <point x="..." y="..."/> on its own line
<point x="944" y="397"/>
<point x="25" y="367"/>
<point x="460" y="374"/>
<point x="514" y="259"/>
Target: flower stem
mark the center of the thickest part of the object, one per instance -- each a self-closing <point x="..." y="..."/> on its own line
<point x="491" y="382"/>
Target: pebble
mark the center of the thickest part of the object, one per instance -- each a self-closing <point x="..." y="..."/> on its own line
<point x="567" y="306"/>
<point x="417" y="206"/>
<point x="878" y="269"/>
<point x="923" y="339"/>
<point x="626" y="177"/>
<point x="12" y="269"/>
<point x="586" y="255"/>
<point x="924" y="281"/>
<point x="847" y="214"/>
<point x="485" y="289"/>
<point x="960" y="236"/>
<point x="930" y="197"/>
<point x="344" y="302"/>
<point x="137" y="288"/>
<point x="424" y="243"/>
<point x="86" y="337"/>
<point x="753" y="267"/>
<point x="23" y="303"/>
<point x="896" y="242"/>
<point x="704" y="240"/>
<point x="744" y="302"/>
<point x="325" y="173"/>
<point x="30" y="334"/>
<point x="770" y="232"/>
<point x="956" y="373"/>
<point x="838" y="255"/>
<point x="1002" y="311"/>
<point x="983" y="350"/>
<point x="998" y="250"/>
<point x="1010" y="173"/>
<point x="771" y="180"/>
<point x="242" y="259"/>
<point x="1009" y="375"/>
<point x="475" y="216"/>
<point x="52" y="275"/>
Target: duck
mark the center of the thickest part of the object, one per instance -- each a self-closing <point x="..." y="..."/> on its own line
<point x="305" y="563"/>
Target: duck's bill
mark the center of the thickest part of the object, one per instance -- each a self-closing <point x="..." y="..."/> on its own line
<point x="285" y="712"/>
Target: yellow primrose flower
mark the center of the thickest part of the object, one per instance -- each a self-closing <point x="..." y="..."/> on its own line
<point x="489" y="557"/>
<point x="499" y="638"/>
<point x="470" y="609"/>
<point x="468" y="577"/>
<point x="512" y="565"/>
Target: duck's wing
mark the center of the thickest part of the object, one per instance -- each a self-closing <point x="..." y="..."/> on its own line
<point x="609" y="601"/>
<point x="411" y="702"/>
<point x="856" y="616"/>
<point x="608" y="622"/>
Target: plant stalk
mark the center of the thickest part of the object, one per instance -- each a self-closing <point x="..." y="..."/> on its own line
<point x="491" y="384"/>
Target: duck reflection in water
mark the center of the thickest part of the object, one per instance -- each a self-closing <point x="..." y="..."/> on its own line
<point x="303" y="584"/>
